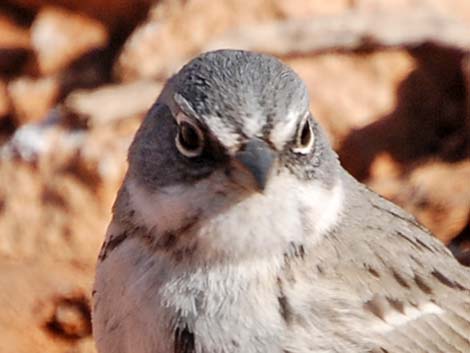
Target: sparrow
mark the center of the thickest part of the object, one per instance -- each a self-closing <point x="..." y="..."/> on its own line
<point x="237" y="230"/>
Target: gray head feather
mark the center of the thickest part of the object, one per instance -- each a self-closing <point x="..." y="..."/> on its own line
<point x="235" y="96"/>
<point x="238" y="86"/>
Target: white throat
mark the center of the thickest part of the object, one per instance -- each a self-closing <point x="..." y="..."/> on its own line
<point x="289" y="212"/>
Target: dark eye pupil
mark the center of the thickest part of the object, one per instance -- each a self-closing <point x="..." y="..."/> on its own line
<point x="189" y="139"/>
<point x="306" y="134"/>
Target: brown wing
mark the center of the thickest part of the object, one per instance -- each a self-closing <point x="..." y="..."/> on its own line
<point x="415" y="294"/>
<point x="380" y="282"/>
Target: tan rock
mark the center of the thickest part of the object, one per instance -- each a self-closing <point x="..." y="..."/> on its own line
<point x="55" y="200"/>
<point x="32" y="98"/>
<point x="459" y="9"/>
<point x="4" y="100"/>
<point x="116" y="14"/>
<point x="104" y="105"/>
<point x="177" y="30"/>
<point x="15" y="46"/>
<point x="308" y="8"/>
<point x="348" y="31"/>
<point x="349" y="91"/>
<point x="460" y="246"/>
<point x="59" y="37"/>
<point x="33" y="295"/>
<point x="436" y="193"/>
<point x="71" y="317"/>
<point x="12" y="35"/>
<point x="384" y="166"/>
<point x="441" y="197"/>
<point x="57" y="189"/>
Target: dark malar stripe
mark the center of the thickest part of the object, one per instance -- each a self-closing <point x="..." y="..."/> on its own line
<point x="184" y="341"/>
<point x="112" y="243"/>
<point x="285" y="309"/>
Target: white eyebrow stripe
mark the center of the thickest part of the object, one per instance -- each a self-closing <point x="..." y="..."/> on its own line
<point x="225" y="133"/>
<point x="252" y="125"/>
<point x="284" y="130"/>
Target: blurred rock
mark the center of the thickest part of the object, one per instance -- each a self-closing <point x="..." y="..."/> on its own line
<point x="436" y="193"/>
<point x="354" y="30"/>
<point x="12" y="60"/>
<point x="105" y="105"/>
<point x="32" y="98"/>
<point x="15" y="45"/>
<point x="349" y="91"/>
<point x="384" y="166"/>
<point x="430" y="117"/>
<point x="308" y="8"/>
<point x="59" y="37"/>
<point x="460" y="246"/>
<point x="4" y="100"/>
<point x="117" y="14"/>
<point x="177" y="30"/>
<point x="71" y="317"/>
<point x="441" y="197"/>
<point x="58" y="187"/>
<point x="459" y="9"/>
<point x="34" y="296"/>
<point x="12" y="35"/>
<point x="88" y="72"/>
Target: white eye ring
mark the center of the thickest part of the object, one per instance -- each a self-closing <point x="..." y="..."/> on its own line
<point x="189" y="140"/>
<point x="305" y="138"/>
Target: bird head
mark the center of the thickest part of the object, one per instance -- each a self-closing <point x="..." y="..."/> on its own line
<point x="232" y="129"/>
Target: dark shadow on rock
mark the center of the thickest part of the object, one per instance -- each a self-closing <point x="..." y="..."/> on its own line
<point x="71" y="318"/>
<point x="12" y="61"/>
<point x="431" y="116"/>
<point x="460" y="246"/>
<point x="90" y="70"/>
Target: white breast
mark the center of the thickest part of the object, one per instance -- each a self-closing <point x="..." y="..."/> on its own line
<point x="289" y="211"/>
<point x="140" y="293"/>
<point x="139" y="297"/>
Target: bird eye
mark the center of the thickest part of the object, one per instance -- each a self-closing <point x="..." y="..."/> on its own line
<point x="305" y="138"/>
<point x="189" y="139"/>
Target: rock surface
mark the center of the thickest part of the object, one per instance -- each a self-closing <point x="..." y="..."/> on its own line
<point x="116" y="14"/>
<point x="103" y="106"/>
<point x="31" y="98"/>
<point x="59" y="37"/>
<point x="425" y="192"/>
<point x="388" y="79"/>
<point x="4" y="101"/>
<point x="15" y="44"/>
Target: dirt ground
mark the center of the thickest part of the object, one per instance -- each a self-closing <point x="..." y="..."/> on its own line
<point x="389" y="80"/>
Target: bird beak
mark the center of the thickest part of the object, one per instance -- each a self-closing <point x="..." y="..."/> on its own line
<point x="256" y="158"/>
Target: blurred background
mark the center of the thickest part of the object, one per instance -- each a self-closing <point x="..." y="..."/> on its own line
<point x="389" y="80"/>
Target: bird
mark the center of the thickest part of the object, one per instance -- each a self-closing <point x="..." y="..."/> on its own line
<point x="236" y="229"/>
